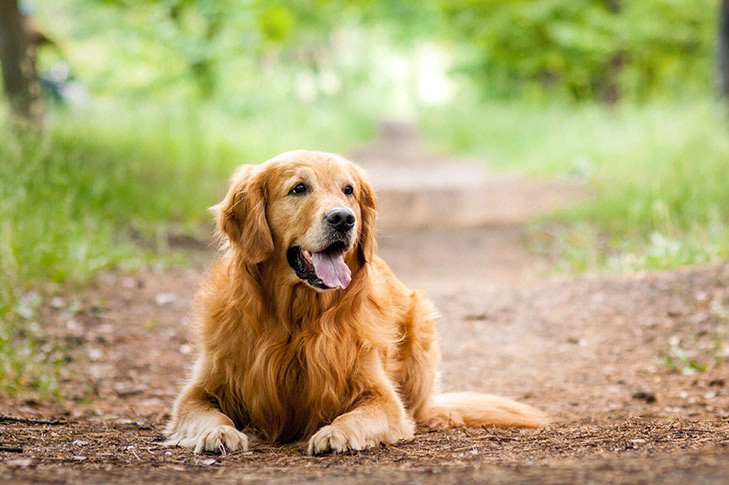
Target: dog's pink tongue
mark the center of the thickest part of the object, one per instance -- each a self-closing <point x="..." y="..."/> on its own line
<point x="331" y="269"/>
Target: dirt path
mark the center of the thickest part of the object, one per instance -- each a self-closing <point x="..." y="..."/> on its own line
<point x="633" y="369"/>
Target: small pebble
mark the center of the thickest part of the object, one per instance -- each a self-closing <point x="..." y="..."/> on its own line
<point x="647" y="396"/>
<point x="57" y="303"/>
<point x="165" y="298"/>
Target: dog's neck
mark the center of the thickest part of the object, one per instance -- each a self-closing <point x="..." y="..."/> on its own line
<point x="298" y="306"/>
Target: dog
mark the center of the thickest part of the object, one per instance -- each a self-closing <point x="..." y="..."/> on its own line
<point x="304" y="333"/>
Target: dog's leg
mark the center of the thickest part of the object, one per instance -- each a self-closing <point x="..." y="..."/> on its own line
<point x="418" y="355"/>
<point x="197" y="423"/>
<point x="379" y="417"/>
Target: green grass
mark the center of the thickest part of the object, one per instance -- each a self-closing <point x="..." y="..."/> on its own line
<point x="660" y="173"/>
<point x="74" y="197"/>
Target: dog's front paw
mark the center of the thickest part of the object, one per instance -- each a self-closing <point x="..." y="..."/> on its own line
<point x="345" y="435"/>
<point x="219" y="439"/>
<point x="334" y="439"/>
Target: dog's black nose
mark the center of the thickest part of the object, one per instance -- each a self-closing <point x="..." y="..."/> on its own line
<point x="340" y="219"/>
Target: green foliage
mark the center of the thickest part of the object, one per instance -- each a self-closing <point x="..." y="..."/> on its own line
<point x="583" y="49"/>
<point x="276" y="23"/>
<point x="209" y="48"/>
<point x="680" y="361"/>
<point x="604" y="49"/>
<point x="659" y="173"/>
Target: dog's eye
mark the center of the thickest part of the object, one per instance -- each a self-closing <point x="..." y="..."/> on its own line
<point x="298" y="189"/>
<point x="348" y="190"/>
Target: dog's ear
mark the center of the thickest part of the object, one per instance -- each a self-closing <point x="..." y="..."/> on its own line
<point x="241" y="216"/>
<point x="368" y="210"/>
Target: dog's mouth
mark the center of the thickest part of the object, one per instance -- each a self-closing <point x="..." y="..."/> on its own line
<point x="323" y="269"/>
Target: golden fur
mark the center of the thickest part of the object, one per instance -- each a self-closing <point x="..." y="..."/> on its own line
<point x="343" y="368"/>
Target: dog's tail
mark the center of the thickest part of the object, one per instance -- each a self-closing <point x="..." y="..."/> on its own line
<point x="470" y="409"/>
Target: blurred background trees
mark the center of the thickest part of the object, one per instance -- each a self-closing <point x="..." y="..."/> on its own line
<point x="17" y="59"/>
<point x="585" y="49"/>
<point x="590" y="49"/>
<point x="723" y="48"/>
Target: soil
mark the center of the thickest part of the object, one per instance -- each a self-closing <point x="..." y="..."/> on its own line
<point x="631" y="368"/>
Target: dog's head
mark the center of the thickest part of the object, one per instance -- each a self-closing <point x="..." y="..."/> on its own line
<point x="311" y="214"/>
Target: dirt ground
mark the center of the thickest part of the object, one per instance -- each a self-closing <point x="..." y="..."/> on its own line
<point x="631" y="368"/>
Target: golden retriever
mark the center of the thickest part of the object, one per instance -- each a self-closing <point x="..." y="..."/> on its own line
<point x="305" y="333"/>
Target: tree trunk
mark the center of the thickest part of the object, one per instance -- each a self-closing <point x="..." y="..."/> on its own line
<point x="16" y="59"/>
<point x="723" y="49"/>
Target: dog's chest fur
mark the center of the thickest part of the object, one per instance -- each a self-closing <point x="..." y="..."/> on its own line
<point x="295" y="382"/>
<point x="289" y="362"/>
